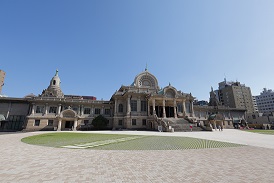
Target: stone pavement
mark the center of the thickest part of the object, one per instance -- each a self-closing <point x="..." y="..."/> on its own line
<point x="21" y="162"/>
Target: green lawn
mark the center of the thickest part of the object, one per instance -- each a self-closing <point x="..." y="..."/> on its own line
<point x="122" y="142"/>
<point x="269" y="132"/>
<point x="66" y="138"/>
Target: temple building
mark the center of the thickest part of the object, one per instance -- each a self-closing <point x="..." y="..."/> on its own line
<point x="143" y="105"/>
<point x="143" y="102"/>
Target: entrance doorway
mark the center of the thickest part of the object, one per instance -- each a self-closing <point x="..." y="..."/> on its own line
<point x="169" y="112"/>
<point x="159" y="111"/>
<point x="69" y="124"/>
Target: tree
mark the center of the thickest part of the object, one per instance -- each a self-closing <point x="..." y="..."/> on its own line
<point x="100" y="122"/>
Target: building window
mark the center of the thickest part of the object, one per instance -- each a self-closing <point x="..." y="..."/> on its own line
<point x="37" y="122"/>
<point x="97" y="111"/>
<point x="52" y="109"/>
<point x="50" y="122"/>
<point x="144" y="122"/>
<point x="120" y="108"/>
<point x="39" y="109"/>
<point x="133" y="105"/>
<point x="143" y="106"/>
<point x="107" y="111"/>
<point x="87" y="111"/>
<point x="133" y="122"/>
<point x="120" y="122"/>
<point x="16" y="118"/>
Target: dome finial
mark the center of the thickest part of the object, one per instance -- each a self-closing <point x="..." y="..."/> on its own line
<point x="146" y="67"/>
<point x="56" y="74"/>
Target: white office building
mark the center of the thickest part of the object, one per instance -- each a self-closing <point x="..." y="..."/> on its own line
<point x="265" y="101"/>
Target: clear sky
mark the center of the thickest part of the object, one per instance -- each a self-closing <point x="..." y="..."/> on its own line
<point x="97" y="46"/>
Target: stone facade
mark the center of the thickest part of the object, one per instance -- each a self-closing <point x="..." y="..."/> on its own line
<point x="131" y="107"/>
<point x="231" y="116"/>
<point x="136" y="106"/>
<point x="2" y="79"/>
<point x="13" y="112"/>
<point x="141" y="105"/>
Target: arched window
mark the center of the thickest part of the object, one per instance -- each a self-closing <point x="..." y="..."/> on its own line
<point x="54" y="82"/>
<point x="170" y="94"/>
<point x="120" y="108"/>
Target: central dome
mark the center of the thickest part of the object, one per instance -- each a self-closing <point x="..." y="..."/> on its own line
<point x="146" y="80"/>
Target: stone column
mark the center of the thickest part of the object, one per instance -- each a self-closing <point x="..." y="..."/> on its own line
<point x="46" y="109"/>
<point x="59" y="125"/>
<point x="102" y="110"/>
<point x="175" y="108"/>
<point x="79" y="109"/>
<point x="184" y="107"/>
<point x="128" y="105"/>
<point x="164" y="108"/>
<point x="191" y="108"/>
<point x="153" y="108"/>
<point x="59" y="109"/>
<point x="75" y="125"/>
<point x="33" y="108"/>
<point x="138" y="105"/>
<point x="148" y="108"/>
<point x="92" y="110"/>
<point x="82" y="110"/>
<point x="115" y="107"/>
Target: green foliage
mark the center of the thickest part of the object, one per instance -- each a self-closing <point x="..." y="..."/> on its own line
<point x="100" y="122"/>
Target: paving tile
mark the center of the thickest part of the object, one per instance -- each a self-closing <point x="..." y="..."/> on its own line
<point x="22" y="162"/>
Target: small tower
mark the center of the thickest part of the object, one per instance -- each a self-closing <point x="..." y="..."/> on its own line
<point x="213" y="100"/>
<point x="53" y="89"/>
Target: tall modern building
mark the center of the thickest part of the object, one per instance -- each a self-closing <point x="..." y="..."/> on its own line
<point x="265" y="101"/>
<point x="255" y="104"/>
<point x="2" y="78"/>
<point x="236" y="95"/>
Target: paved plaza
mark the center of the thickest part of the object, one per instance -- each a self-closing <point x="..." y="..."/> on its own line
<point x="22" y="162"/>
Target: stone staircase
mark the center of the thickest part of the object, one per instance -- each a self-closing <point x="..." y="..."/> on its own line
<point x="181" y="125"/>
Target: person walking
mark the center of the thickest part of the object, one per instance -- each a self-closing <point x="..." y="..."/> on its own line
<point x="190" y="126"/>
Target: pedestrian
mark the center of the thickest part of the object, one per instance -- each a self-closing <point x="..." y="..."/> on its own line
<point x="222" y="127"/>
<point x="190" y="126"/>
<point x="219" y="127"/>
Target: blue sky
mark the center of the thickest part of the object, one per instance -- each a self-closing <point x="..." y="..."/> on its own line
<point x="97" y="46"/>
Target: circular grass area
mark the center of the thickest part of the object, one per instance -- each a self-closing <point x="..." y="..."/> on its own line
<point x="122" y="142"/>
<point x="268" y="132"/>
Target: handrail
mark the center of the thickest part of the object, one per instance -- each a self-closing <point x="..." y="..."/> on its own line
<point x="161" y="122"/>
